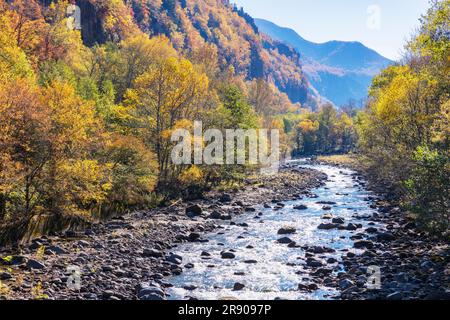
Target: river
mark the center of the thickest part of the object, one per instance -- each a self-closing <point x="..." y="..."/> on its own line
<point x="279" y="269"/>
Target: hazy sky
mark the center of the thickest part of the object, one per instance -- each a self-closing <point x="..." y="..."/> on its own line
<point x="383" y="25"/>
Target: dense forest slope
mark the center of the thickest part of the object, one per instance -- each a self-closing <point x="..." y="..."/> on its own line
<point x="340" y="71"/>
<point x="87" y="118"/>
<point x="189" y="25"/>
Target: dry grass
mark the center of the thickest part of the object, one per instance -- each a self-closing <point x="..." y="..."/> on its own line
<point x="348" y="160"/>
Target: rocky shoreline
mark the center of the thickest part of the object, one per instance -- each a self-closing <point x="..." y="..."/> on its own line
<point x="413" y="265"/>
<point x="129" y="257"/>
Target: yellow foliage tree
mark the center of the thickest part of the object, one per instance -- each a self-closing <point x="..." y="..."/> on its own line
<point x="169" y="91"/>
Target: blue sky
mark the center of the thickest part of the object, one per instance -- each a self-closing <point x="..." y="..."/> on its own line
<point x="383" y="25"/>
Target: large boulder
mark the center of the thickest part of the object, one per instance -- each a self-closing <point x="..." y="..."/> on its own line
<point x="328" y="226"/>
<point x="338" y="221"/>
<point x="287" y="230"/>
<point x="345" y="284"/>
<point x="35" y="265"/>
<point x="311" y="262"/>
<point x="363" y="244"/>
<point x="152" y="253"/>
<point x="228" y="255"/>
<point x="285" y="240"/>
<point x="175" y="259"/>
<point x="146" y="291"/>
<point x="225" y="198"/>
<point x="194" y="211"/>
<point x="238" y="286"/>
<point x="385" y="237"/>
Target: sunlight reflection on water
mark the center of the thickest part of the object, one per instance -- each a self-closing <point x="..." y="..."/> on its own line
<point x="271" y="277"/>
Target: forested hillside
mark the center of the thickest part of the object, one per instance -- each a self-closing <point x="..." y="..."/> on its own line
<point x="190" y="25"/>
<point x="404" y="132"/>
<point x="86" y="117"/>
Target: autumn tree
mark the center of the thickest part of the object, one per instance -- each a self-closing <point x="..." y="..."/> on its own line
<point x="403" y="132"/>
<point x="168" y="92"/>
<point x="24" y="145"/>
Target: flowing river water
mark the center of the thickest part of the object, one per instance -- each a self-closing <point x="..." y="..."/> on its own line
<point x="279" y="269"/>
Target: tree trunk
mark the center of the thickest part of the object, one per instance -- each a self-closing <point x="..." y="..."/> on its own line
<point x="2" y="207"/>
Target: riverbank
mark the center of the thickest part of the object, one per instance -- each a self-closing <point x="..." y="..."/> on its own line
<point x="413" y="265"/>
<point x="122" y="258"/>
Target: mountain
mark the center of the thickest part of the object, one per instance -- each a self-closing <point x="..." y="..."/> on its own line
<point x="340" y="71"/>
<point x="192" y="24"/>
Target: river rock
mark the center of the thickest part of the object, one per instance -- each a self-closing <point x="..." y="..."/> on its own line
<point x="250" y="262"/>
<point x="338" y="221"/>
<point x="152" y="297"/>
<point x="152" y="253"/>
<point x="363" y="244"/>
<point x="149" y="292"/>
<point x="193" y="236"/>
<point x="326" y="208"/>
<point x="320" y="250"/>
<point x="35" y="265"/>
<point x="287" y="230"/>
<point x="330" y="203"/>
<point x="56" y="250"/>
<point x="301" y="207"/>
<point x="328" y="226"/>
<point x="385" y="237"/>
<point x="175" y="259"/>
<point x="5" y="276"/>
<point x="307" y="287"/>
<point x="215" y="215"/>
<point x="344" y="284"/>
<point x="311" y="262"/>
<point x="285" y="240"/>
<point x="371" y="230"/>
<point x="14" y="261"/>
<point x="107" y="268"/>
<point x="194" y="211"/>
<point x="331" y="260"/>
<point x="225" y="198"/>
<point x="228" y="255"/>
<point x="83" y="243"/>
<point x="238" y="286"/>
<point x="190" y="287"/>
<point x="427" y="265"/>
<point x="351" y="227"/>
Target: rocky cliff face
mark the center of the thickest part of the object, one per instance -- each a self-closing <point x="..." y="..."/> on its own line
<point x="91" y="22"/>
<point x="191" y="23"/>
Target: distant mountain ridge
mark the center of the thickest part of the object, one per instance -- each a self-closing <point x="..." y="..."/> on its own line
<point x="340" y="71"/>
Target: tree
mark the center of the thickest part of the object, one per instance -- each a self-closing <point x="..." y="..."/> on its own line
<point x="168" y="92"/>
<point x="13" y="60"/>
<point x="241" y="114"/>
<point x="74" y="182"/>
<point x="136" y="55"/>
<point x="403" y="131"/>
<point x="429" y="190"/>
<point x="24" y="147"/>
